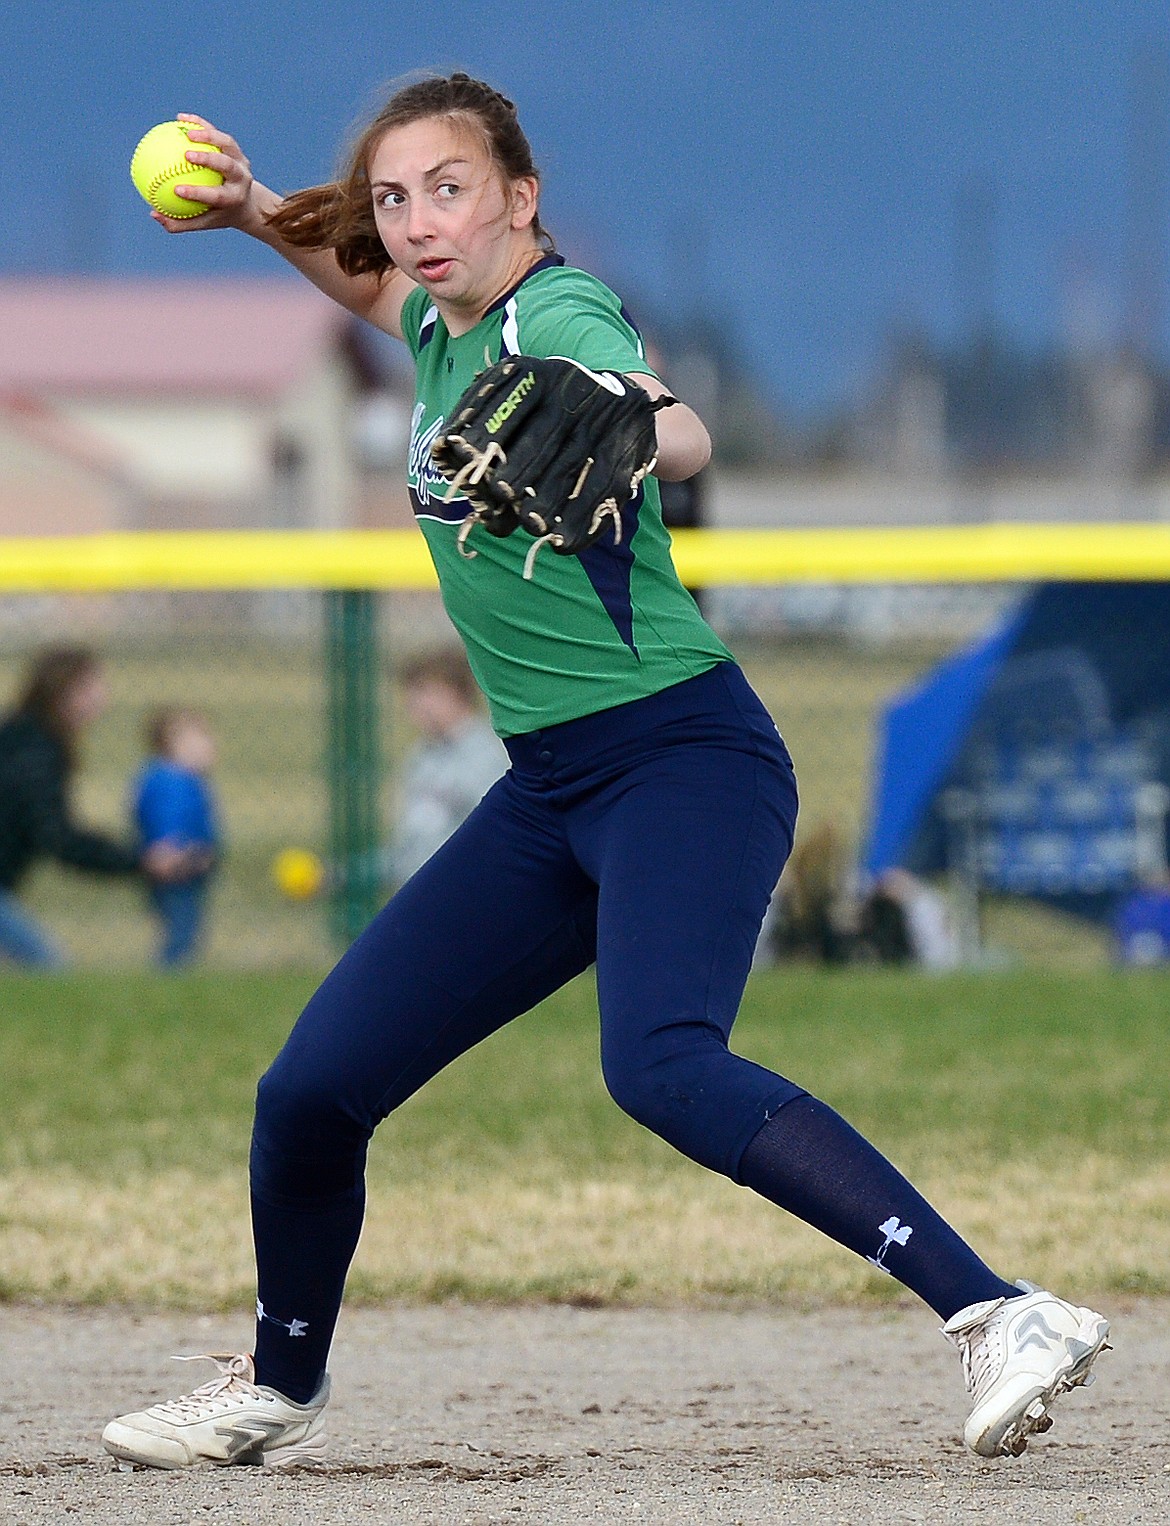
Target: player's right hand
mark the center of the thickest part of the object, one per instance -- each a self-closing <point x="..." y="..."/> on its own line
<point x="230" y="205"/>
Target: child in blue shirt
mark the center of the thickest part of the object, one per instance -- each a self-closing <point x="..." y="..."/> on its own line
<point x="176" y="818"/>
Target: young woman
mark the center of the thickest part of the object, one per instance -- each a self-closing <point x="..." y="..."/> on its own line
<point x="63" y="693"/>
<point x="641" y="761"/>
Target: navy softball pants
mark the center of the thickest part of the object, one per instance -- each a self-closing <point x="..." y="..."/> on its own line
<point x="648" y="838"/>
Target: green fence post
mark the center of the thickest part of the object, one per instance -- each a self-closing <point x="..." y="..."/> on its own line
<point x="353" y="761"/>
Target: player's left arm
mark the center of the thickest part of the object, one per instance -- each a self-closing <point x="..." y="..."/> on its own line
<point x="684" y="446"/>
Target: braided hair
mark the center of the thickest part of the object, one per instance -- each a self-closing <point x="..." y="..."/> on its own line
<point x="340" y="214"/>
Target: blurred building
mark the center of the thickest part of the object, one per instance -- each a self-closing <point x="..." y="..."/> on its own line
<point x="699" y="359"/>
<point x="991" y="410"/>
<point x="56" y="477"/>
<point x="192" y="403"/>
<point x="979" y="433"/>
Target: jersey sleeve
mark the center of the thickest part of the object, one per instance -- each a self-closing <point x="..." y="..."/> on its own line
<point x="571" y="314"/>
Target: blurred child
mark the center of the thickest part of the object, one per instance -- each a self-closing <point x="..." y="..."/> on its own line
<point x="455" y="761"/>
<point x="176" y="817"/>
<point x="905" y="920"/>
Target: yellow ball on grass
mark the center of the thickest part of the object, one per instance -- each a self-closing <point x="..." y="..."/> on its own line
<point x="298" y="873"/>
<point x="160" y="163"/>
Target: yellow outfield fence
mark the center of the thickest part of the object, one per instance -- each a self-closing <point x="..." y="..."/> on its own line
<point x="397" y="559"/>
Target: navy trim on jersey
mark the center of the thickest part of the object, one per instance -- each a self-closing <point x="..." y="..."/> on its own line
<point x="609" y="568"/>
<point x="547" y="262"/>
<point x="624" y="313"/>
<point x="430" y="318"/>
<point x="453" y="513"/>
<point x="426" y="330"/>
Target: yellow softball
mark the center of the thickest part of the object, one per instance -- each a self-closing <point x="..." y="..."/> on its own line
<point x="298" y="873"/>
<point x="160" y="163"/>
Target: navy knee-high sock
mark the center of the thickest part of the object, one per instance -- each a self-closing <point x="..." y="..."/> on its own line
<point x="808" y="1160"/>
<point x="302" y="1257"/>
<point x="307" y="1212"/>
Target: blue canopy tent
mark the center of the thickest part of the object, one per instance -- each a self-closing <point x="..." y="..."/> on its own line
<point x="1080" y="668"/>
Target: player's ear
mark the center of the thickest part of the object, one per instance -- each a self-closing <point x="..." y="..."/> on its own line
<point x="525" y="191"/>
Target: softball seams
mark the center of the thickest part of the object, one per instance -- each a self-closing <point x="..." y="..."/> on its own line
<point x="174" y="171"/>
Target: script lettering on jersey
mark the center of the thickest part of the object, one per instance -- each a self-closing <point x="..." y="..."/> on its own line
<point x="429" y="480"/>
<point x="513" y="400"/>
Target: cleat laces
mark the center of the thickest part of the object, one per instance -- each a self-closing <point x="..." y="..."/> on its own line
<point x="980" y="1360"/>
<point x="233" y="1386"/>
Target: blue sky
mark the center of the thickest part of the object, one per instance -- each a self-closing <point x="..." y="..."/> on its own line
<point x="793" y="166"/>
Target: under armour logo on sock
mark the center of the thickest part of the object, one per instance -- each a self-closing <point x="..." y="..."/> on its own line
<point x="293" y="1326"/>
<point x="896" y="1233"/>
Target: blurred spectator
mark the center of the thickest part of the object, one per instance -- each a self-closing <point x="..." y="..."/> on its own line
<point x="809" y="919"/>
<point x="1141" y="925"/>
<point x="684" y="504"/>
<point x="175" y="814"/>
<point x="456" y="759"/>
<point x="684" y="508"/>
<point x="904" y="920"/>
<point x="63" y="693"/>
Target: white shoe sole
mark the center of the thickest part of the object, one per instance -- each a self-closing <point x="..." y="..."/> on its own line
<point x="1006" y="1434"/>
<point x="306" y="1454"/>
<point x="131" y="1446"/>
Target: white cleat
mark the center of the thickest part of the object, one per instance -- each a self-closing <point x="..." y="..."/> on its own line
<point x="1019" y="1355"/>
<point x="229" y="1420"/>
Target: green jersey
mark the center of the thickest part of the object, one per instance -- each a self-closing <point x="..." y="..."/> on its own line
<point x="587" y="632"/>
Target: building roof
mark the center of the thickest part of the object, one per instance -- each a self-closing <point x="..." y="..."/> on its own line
<point x="232" y="335"/>
<point x="47" y="431"/>
<point x="57" y="478"/>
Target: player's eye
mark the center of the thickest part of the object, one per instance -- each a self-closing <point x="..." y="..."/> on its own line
<point x="391" y="199"/>
<point x="447" y="190"/>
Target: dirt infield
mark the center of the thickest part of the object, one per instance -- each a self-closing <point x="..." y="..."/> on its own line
<point x="488" y="1416"/>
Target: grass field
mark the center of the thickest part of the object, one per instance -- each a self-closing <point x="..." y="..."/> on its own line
<point x="1033" y="1108"/>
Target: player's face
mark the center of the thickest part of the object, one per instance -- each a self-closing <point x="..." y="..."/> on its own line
<point x="448" y="218"/>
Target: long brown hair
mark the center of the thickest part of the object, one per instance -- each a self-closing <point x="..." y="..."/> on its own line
<point x="340" y="214"/>
<point x="51" y="676"/>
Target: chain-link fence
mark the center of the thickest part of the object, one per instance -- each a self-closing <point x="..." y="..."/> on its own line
<point x="300" y="694"/>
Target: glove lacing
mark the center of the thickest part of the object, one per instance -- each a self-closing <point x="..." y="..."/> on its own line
<point x="465" y="530"/>
<point x="471" y="474"/>
<point x="607" y="510"/>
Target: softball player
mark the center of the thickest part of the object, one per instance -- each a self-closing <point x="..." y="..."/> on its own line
<point x="641" y="763"/>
